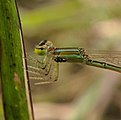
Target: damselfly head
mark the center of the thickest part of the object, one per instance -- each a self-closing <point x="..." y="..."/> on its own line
<point x="43" y="47"/>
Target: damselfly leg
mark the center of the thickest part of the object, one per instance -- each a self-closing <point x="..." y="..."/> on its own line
<point x="42" y="72"/>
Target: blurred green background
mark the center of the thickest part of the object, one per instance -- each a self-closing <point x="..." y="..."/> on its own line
<point x="82" y="92"/>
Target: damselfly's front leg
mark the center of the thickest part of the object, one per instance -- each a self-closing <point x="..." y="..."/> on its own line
<point x="41" y="66"/>
<point x="37" y="62"/>
<point x="47" y="62"/>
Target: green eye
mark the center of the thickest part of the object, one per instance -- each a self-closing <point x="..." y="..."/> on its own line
<point x="40" y="51"/>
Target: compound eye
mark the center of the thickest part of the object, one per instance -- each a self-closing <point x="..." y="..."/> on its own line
<point x="43" y="42"/>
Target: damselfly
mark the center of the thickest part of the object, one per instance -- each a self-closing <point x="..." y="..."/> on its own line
<point x="45" y="66"/>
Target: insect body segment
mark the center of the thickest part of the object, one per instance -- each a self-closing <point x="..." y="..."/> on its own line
<point x="46" y="62"/>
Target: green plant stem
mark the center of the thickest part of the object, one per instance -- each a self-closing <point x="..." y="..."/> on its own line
<point x="15" y="101"/>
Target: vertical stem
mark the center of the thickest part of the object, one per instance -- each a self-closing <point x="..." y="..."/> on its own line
<point x="15" y="88"/>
